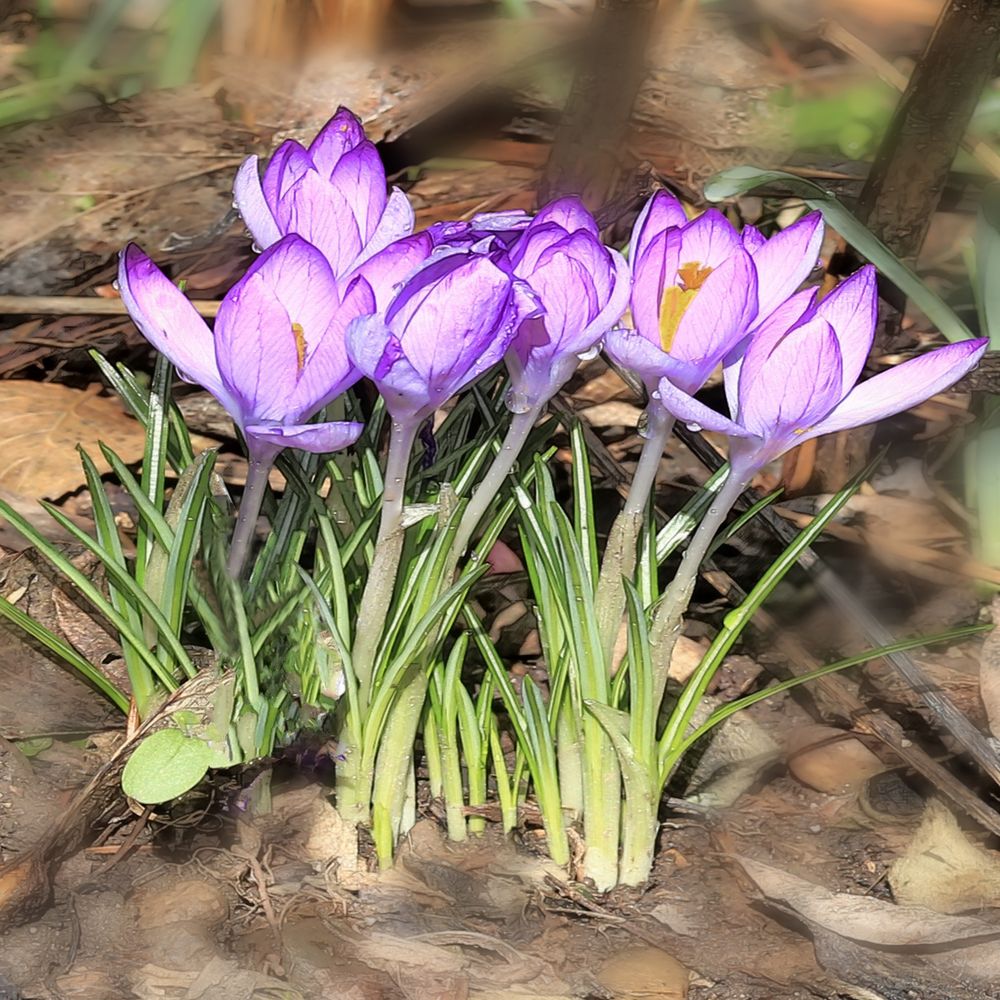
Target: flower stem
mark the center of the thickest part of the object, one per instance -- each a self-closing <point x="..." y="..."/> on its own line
<point x="401" y="438"/>
<point x="658" y="427"/>
<point x="388" y="547"/>
<point x="670" y="611"/>
<point x="520" y="427"/>
<point x="253" y="497"/>
<point x="620" y="552"/>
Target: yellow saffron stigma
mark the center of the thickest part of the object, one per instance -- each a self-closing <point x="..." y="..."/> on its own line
<point x="676" y="299"/>
<point x="300" y="345"/>
<point x="693" y="274"/>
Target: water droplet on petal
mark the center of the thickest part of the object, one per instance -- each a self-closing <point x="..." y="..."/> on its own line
<point x="517" y="402"/>
<point x="236" y="205"/>
<point x="590" y="354"/>
<point x="694" y="428"/>
<point x="255" y="248"/>
<point x="115" y="285"/>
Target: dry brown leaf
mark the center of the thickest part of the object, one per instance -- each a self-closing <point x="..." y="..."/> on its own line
<point x="863" y="918"/>
<point x="41" y="424"/>
<point x="613" y="414"/>
<point x="943" y="870"/>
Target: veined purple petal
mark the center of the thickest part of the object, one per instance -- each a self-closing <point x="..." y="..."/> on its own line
<point x="288" y="164"/>
<point x="708" y="240"/>
<point x="342" y="133"/>
<point x="377" y="352"/>
<point x="903" y="387"/>
<point x="170" y="323"/>
<point x="788" y="315"/>
<point x="852" y="310"/>
<point x="785" y="260"/>
<point x="396" y="223"/>
<point x="662" y="211"/>
<point x="318" y="212"/>
<point x="592" y="255"/>
<point x="249" y="198"/>
<point x="449" y="313"/>
<point x="794" y="386"/>
<point x="569" y="213"/>
<point x="753" y="239"/>
<point x="359" y="178"/>
<point x="695" y="414"/>
<point x="633" y="352"/>
<point x="319" y="438"/>
<point x="388" y="269"/>
<point x="535" y="241"/>
<point x="652" y="272"/>
<point x="269" y="324"/>
<point x="718" y="316"/>
<point x="328" y="370"/>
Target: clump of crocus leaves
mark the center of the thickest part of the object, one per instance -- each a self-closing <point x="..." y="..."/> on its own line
<point x="356" y="614"/>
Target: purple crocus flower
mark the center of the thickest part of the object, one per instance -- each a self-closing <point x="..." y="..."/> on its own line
<point x="277" y="354"/>
<point x="797" y="378"/>
<point x="699" y="287"/>
<point x="488" y="233"/>
<point x="333" y="194"/>
<point x="484" y="232"/>
<point x="583" y="288"/>
<point x="451" y="322"/>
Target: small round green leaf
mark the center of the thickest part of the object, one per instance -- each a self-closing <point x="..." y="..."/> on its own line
<point x="165" y="765"/>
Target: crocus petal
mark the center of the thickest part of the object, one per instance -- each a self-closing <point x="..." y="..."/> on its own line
<point x="651" y="274"/>
<point x="709" y="240"/>
<point x="695" y="414"/>
<point x="387" y="270"/>
<point x="249" y="200"/>
<point x="719" y="314"/>
<point x="785" y="260"/>
<point x="377" y="352"/>
<point x="662" y="211"/>
<point x="288" y="164"/>
<point x="170" y="323"/>
<point x="568" y="213"/>
<point x="448" y="314"/>
<point x="788" y="315"/>
<point x="397" y="222"/>
<point x="359" y="179"/>
<point x="328" y="370"/>
<point x="797" y="384"/>
<point x="753" y="239"/>
<point x="269" y="324"/>
<point x="320" y="438"/>
<point x="633" y="352"/>
<point x="317" y="212"/>
<point x="852" y="310"/>
<point x="341" y="134"/>
<point x="904" y="386"/>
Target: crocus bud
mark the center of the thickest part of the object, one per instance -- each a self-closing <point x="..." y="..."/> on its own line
<point x="451" y="322"/>
<point x="583" y="289"/>
<point x="332" y="194"/>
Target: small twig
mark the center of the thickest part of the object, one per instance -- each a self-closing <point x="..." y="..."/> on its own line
<point x="129" y="842"/>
